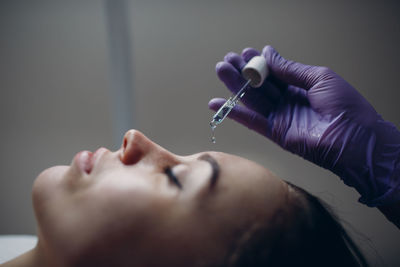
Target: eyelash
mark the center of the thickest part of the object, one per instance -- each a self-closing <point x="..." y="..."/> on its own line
<point x="171" y="176"/>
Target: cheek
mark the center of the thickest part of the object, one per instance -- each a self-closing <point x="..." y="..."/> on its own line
<point x="127" y="203"/>
<point x="117" y="208"/>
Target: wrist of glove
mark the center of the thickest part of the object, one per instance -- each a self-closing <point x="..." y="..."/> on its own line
<point x="370" y="162"/>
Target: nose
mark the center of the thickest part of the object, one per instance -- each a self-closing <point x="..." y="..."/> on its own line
<point x="136" y="147"/>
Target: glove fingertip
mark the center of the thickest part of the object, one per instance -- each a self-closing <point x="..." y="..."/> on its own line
<point x="219" y="65"/>
<point x="229" y="56"/>
<point x="269" y="50"/>
<point x="249" y="52"/>
<point x="224" y="68"/>
<point x="216" y="103"/>
<point x="236" y="60"/>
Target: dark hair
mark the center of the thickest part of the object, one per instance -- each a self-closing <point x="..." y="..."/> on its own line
<point x="305" y="233"/>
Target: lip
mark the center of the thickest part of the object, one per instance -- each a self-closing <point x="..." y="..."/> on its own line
<point x="96" y="157"/>
<point x="86" y="160"/>
<point x="83" y="161"/>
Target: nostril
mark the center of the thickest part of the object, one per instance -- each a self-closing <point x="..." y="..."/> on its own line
<point x="132" y="147"/>
<point x="128" y="137"/>
<point x="125" y="143"/>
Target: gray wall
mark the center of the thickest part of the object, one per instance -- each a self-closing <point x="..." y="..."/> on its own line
<point x="55" y="98"/>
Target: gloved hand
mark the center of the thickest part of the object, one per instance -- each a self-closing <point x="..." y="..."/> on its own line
<point x="314" y="113"/>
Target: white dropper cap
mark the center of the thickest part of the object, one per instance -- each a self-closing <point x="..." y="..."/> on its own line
<point x="255" y="70"/>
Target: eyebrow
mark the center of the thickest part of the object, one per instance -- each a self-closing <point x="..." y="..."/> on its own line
<point x="214" y="167"/>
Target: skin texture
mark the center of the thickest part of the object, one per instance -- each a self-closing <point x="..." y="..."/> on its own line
<point x="121" y="209"/>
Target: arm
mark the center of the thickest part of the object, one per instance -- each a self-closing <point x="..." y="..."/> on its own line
<point x="314" y="113"/>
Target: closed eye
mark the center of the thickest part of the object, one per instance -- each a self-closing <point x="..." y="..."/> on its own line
<point x="171" y="176"/>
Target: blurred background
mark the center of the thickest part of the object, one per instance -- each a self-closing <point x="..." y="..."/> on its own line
<point x="75" y="75"/>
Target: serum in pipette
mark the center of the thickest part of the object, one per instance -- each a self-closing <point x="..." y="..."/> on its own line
<point x="224" y="110"/>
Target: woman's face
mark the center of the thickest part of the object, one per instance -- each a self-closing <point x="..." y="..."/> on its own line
<point x="144" y="206"/>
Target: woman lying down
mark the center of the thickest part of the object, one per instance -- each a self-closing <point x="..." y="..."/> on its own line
<point x="144" y="206"/>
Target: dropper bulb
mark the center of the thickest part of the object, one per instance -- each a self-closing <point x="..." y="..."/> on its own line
<point x="256" y="70"/>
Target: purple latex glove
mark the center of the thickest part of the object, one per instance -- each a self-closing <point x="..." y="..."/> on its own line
<point x="314" y="113"/>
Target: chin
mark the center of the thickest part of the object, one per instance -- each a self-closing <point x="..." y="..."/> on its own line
<point x="50" y="175"/>
<point x="47" y="183"/>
